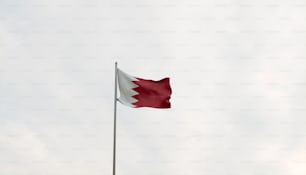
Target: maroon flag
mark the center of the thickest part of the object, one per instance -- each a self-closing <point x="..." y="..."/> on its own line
<point x="138" y="92"/>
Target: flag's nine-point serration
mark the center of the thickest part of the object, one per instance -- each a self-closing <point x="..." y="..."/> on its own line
<point x="137" y="92"/>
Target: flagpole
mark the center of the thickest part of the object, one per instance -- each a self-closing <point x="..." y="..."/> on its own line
<point x="115" y="117"/>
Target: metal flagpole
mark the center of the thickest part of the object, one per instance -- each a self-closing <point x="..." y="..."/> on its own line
<point x="115" y="113"/>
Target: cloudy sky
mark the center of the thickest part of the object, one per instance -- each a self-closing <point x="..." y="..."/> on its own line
<point x="237" y="72"/>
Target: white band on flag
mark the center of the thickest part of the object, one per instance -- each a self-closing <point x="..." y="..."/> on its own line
<point x="126" y="86"/>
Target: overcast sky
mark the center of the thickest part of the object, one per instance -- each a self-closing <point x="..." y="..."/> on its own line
<point x="237" y="70"/>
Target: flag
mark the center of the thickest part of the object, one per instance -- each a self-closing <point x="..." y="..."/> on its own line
<point x="138" y="92"/>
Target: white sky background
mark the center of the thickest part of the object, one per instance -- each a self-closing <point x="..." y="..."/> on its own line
<point x="237" y="71"/>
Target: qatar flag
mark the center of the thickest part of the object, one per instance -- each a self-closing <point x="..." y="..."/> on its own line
<point x="138" y="92"/>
